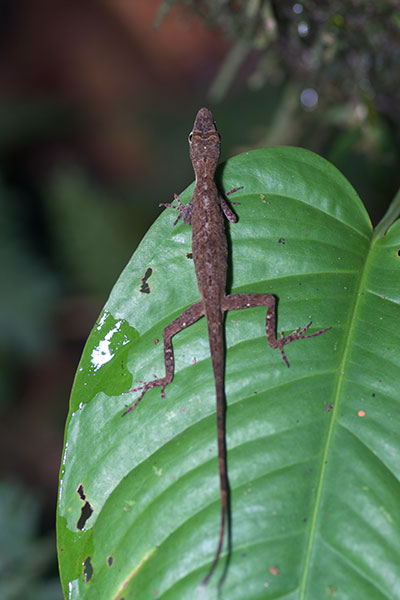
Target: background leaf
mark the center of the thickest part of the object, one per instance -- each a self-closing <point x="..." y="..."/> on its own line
<point x="314" y="481"/>
<point x="22" y="543"/>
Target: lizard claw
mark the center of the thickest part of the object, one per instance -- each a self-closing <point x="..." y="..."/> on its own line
<point x="316" y="333"/>
<point x="137" y="388"/>
<point x="233" y="190"/>
<point x="297" y="334"/>
<point x="285" y="360"/>
<point x="181" y="207"/>
<point x="300" y="335"/>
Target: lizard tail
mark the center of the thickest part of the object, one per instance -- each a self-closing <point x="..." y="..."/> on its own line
<point x="216" y="338"/>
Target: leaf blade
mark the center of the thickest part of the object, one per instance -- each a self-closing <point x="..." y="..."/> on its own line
<point x="303" y="235"/>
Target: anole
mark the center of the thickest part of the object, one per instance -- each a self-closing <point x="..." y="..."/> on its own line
<point x="205" y="213"/>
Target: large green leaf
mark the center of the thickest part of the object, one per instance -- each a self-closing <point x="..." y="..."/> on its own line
<point x="313" y="451"/>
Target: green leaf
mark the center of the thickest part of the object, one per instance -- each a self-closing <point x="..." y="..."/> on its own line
<point x="313" y="451"/>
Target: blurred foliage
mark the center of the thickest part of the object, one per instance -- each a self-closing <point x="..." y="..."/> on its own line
<point x="23" y="316"/>
<point x="30" y="119"/>
<point x="349" y="51"/>
<point x="25" y="556"/>
<point x="86" y="230"/>
<point x="333" y="65"/>
<point x="28" y="294"/>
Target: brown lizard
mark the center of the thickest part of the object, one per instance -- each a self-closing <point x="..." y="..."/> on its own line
<point x="205" y="212"/>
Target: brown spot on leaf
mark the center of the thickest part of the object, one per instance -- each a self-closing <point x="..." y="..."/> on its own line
<point x="144" y="287"/>
<point x="80" y="492"/>
<point x="87" y="569"/>
<point x="86" y="510"/>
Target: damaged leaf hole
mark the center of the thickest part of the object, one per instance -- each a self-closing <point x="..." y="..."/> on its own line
<point x="144" y="287"/>
<point x="189" y="255"/>
<point x="398" y="252"/>
<point x="86" y="510"/>
<point x="110" y="561"/>
<point x="87" y="569"/>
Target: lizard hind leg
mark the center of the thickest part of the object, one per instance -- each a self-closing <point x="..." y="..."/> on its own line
<point x="185" y="319"/>
<point x="239" y="301"/>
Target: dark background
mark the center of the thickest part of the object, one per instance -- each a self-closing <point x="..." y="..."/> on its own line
<point x="95" y="108"/>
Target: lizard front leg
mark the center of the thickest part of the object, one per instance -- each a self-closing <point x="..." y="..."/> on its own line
<point x="187" y="318"/>
<point x="239" y="301"/>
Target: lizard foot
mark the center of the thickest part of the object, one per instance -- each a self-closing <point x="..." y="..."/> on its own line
<point x="297" y="334"/>
<point x="181" y="207"/>
<point x="146" y="385"/>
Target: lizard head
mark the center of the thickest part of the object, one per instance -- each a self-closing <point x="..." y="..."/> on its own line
<point x="204" y="143"/>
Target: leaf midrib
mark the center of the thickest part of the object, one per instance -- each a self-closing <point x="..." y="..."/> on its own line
<point x="324" y="458"/>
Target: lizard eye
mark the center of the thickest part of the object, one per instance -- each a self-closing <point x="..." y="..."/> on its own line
<point x="190" y="136"/>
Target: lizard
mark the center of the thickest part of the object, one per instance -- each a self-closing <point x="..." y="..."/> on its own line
<point x="205" y="213"/>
